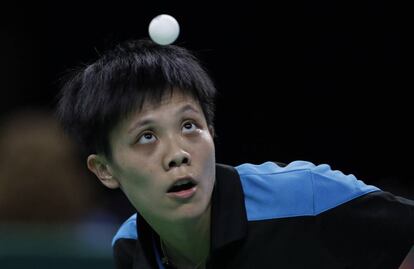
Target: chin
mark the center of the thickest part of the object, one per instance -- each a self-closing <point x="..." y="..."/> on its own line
<point x="190" y="211"/>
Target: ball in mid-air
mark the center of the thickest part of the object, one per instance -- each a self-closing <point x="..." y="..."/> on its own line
<point x="164" y="29"/>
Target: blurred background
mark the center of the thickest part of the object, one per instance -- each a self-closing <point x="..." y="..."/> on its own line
<point x="323" y="81"/>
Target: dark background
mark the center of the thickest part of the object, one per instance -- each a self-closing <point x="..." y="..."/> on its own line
<point x="323" y="81"/>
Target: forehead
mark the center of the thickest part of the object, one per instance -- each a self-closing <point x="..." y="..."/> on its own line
<point x="169" y="105"/>
<point x="171" y="100"/>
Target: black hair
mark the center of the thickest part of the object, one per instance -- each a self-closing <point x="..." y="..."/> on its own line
<point x="96" y="97"/>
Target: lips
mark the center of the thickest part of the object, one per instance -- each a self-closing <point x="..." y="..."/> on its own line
<point x="182" y="184"/>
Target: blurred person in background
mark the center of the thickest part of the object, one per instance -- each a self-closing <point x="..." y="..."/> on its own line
<point x="48" y="205"/>
<point x="40" y="177"/>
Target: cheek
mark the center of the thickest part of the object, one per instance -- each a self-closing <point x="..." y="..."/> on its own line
<point x="206" y="154"/>
<point x="209" y="149"/>
<point x="129" y="172"/>
<point x="130" y="164"/>
<point x="138" y="190"/>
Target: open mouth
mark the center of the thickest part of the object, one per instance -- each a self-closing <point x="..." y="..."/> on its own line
<point x="182" y="185"/>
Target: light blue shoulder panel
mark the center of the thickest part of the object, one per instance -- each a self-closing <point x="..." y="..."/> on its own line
<point x="299" y="189"/>
<point x="128" y="230"/>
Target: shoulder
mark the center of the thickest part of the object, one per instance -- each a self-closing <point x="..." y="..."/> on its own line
<point x="128" y="230"/>
<point x="297" y="189"/>
<point x="124" y="243"/>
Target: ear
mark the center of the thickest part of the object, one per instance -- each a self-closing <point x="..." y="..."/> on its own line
<point x="99" y="166"/>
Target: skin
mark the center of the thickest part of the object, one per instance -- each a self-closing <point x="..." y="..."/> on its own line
<point x="152" y="148"/>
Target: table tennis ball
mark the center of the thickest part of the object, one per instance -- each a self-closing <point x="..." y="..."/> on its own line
<point x="164" y="29"/>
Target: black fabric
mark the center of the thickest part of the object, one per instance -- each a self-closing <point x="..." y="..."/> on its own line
<point x="124" y="252"/>
<point x="228" y="217"/>
<point x="229" y="220"/>
<point x="373" y="231"/>
<point x="146" y="239"/>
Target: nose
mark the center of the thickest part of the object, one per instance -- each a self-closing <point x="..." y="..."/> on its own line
<point x="176" y="156"/>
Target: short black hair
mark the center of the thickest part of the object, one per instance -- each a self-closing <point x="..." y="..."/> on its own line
<point x="97" y="96"/>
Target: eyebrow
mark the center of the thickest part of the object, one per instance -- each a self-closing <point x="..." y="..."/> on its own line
<point x="186" y="108"/>
<point x="149" y="120"/>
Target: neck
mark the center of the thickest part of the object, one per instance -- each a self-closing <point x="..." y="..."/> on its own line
<point x="186" y="243"/>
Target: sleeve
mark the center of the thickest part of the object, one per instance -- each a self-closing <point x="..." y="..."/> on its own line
<point x="375" y="230"/>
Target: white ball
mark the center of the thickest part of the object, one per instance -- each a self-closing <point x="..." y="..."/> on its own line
<point x="164" y="29"/>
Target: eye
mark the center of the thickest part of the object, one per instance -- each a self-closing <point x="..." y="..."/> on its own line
<point x="189" y="127"/>
<point x="146" y="138"/>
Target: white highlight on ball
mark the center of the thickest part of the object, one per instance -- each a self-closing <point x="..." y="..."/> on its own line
<point x="164" y="29"/>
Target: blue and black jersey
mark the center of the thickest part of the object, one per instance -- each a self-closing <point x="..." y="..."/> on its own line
<point x="294" y="216"/>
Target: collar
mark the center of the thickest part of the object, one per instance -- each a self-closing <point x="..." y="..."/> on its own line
<point x="228" y="212"/>
<point x="228" y="216"/>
